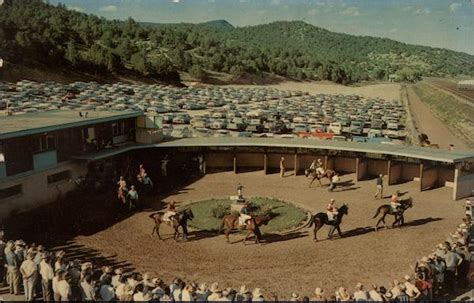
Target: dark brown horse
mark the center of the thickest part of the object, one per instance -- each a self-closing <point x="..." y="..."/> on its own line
<point x="328" y="173"/>
<point x="321" y="219"/>
<point x="387" y="209"/>
<point x="230" y="222"/>
<point x="179" y="220"/>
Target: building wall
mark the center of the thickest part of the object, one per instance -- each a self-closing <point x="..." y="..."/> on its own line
<point x="362" y="169"/>
<point x="274" y="160"/>
<point x="377" y="167"/>
<point x="463" y="187"/>
<point x="306" y="160"/>
<point x="446" y="174"/>
<point x="345" y="164"/>
<point x="410" y="171"/>
<point x="35" y="188"/>
<point x="220" y="160"/>
<point x="429" y="179"/>
<point x="250" y="160"/>
<point x="395" y="175"/>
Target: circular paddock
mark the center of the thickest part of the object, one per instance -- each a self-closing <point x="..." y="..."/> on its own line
<point x="292" y="261"/>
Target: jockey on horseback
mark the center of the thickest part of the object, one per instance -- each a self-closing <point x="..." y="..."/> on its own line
<point x="320" y="170"/>
<point x="244" y="215"/>
<point x="395" y="203"/>
<point x="331" y="210"/>
<point x="312" y="167"/>
<point x="170" y="212"/>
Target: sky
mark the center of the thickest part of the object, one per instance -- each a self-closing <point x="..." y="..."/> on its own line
<point x="438" y="23"/>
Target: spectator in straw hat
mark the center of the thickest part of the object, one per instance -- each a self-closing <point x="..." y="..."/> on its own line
<point x="47" y="274"/>
<point x="257" y="295"/>
<point x="225" y="296"/>
<point x="202" y="293"/>
<point x="127" y="294"/>
<point x="342" y="295"/>
<point x="106" y="271"/>
<point x="60" y="261"/>
<point x="360" y="294"/>
<point x="411" y="290"/>
<point x="295" y="297"/>
<point x="116" y="278"/>
<point x="139" y="293"/>
<point x="87" y="289"/>
<point x="159" y="290"/>
<point x="282" y="167"/>
<point x="64" y="289"/>
<point x="318" y="295"/>
<point x="374" y="294"/>
<point x="13" y="269"/>
<point x="178" y="291"/>
<point x="216" y="293"/>
<point x="188" y="293"/>
<point x="28" y="271"/>
<point x="243" y="295"/>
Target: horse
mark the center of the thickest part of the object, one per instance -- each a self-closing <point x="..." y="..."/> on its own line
<point x="328" y="173"/>
<point x="321" y="219"/>
<point x="180" y="219"/>
<point x="387" y="209"/>
<point x="230" y="222"/>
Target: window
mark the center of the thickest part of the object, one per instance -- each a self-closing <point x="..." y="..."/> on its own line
<point x="119" y="128"/>
<point x="64" y="175"/>
<point x="47" y="142"/>
<point x="11" y="191"/>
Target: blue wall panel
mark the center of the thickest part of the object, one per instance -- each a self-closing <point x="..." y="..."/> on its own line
<point x="45" y="160"/>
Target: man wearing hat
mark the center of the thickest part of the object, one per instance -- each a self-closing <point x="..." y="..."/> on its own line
<point x="47" y="274"/>
<point x="360" y="294"/>
<point x="331" y="210"/>
<point x="452" y="260"/>
<point x="318" y="295"/>
<point x="379" y="191"/>
<point x="132" y="197"/>
<point x="257" y="295"/>
<point x="13" y="269"/>
<point x="411" y="290"/>
<point x="116" y="278"/>
<point x="243" y="295"/>
<point x="202" y="293"/>
<point x="282" y="167"/>
<point x="28" y="271"/>
<point x="216" y="293"/>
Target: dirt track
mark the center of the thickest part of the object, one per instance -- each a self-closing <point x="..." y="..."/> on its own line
<point x="291" y="262"/>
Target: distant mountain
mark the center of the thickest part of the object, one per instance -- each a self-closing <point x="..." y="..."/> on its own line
<point x="58" y="37"/>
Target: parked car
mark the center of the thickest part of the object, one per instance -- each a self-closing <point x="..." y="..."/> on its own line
<point x="335" y="128"/>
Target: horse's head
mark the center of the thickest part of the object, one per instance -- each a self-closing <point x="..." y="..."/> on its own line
<point x="189" y="213"/>
<point x="344" y="209"/>
<point x="263" y="220"/>
<point x="408" y="203"/>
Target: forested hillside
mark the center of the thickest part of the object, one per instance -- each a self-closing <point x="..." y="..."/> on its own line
<point x="34" y="32"/>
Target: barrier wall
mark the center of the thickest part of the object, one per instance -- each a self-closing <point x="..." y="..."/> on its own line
<point x="250" y="160"/>
<point x="429" y="178"/>
<point x="35" y="188"/>
<point x="463" y="186"/>
<point x="395" y="173"/>
<point x="220" y="161"/>
<point x="410" y="171"/>
<point x="377" y="167"/>
<point x="274" y="161"/>
<point x="345" y="164"/>
<point x="445" y="174"/>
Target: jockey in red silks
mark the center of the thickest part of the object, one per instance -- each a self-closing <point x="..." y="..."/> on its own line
<point x="331" y="210"/>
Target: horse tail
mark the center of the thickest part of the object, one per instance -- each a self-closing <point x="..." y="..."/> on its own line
<point x="310" y="222"/>
<point x="377" y="213"/>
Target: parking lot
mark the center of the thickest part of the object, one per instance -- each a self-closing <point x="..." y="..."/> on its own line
<point x="222" y="111"/>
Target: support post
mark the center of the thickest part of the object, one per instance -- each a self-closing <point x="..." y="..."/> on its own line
<point x="297" y="164"/>
<point x="421" y="176"/>
<point x="265" y="163"/>
<point x="357" y="169"/>
<point x="235" y="164"/>
<point x="389" y="170"/>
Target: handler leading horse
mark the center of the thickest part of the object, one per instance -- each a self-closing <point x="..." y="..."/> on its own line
<point x="179" y="220"/>
<point x="230" y="222"/>
<point x="328" y="173"/>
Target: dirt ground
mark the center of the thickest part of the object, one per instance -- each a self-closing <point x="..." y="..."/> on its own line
<point x="387" y="91"/>
<point x="288" y="262"/>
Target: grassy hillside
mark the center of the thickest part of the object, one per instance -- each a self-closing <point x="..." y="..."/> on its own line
<point x="34" y="33"/>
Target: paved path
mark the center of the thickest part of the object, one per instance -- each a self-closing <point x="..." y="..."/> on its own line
<point x="426" y="122"/>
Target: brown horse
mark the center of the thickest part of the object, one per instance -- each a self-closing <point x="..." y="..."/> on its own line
<point x="230" y="222"/>
<point x="180" y="219"/>
<point x="328" y="173"/>
<point x="387" y="209"/>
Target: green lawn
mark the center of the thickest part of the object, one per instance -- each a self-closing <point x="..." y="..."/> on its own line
<point x="287" y="215"/>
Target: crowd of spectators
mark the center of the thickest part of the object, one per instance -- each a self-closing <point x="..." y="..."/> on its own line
<point x="34" y="272"/>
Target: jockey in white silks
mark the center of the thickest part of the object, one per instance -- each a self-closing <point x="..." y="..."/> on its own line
<point x="312" y="167"/>
<point x="331" y="210"/>
<point x="320" y="170"/>
<point x="170" y="211"/>
<point x="244" y="215"/>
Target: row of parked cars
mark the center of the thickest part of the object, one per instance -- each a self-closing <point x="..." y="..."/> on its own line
<point x="221" y="111"/>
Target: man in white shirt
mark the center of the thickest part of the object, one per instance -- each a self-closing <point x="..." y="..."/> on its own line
<point x="411" y="290"/>
<point x="374" y="295"/>
<point x="139" y="295"/>
<point x="64" y="289"/>
<point x="28" y="271"/>
<point x="47" y="275"/>
<point x="360" y="294"/>
<point x="87" y="289"/>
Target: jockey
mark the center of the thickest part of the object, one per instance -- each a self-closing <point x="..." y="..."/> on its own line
<point x="331" y="210"/>
<point x="394" y="202"/>
<point x="170" y="212"/>
<point x="244" y="214"/>
<point x="141" y="173"/>
<point x="240" y="193"/>
<point x="320" y="170"/>
<point x="312" y="167"/>
<point x="122" y="183"/>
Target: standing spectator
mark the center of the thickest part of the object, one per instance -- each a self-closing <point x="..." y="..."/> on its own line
<point x="20" y="251"/>
<point x="120" y="288"/>
<point x="188" y="293"/>
<point x="106" y="291"/>
<point x="147" y="183"/>
<point x="342" y="295"/>
<point x="64" y="289"/>
<point x="60" y="261"/>
<point x="333" y="182"/>
<point x="424" y="287"/>
<point x="164" y="164"/>
<point x="411" y="290"/>
<point x="374" y="294"/>
<point x="257" y="295"/>
<point x="178" y="291"/>
<point x="3" y="265"/>
<point x="215" y="292"/>
<point x="139" y="294"/>
<point x="116" y="278"/>
<point x="202" y="293"/>
<point x="13" y="269"/>
<point x="141" y="173"/>
<point x="402" y="295"/>
<point x="47" y="275"/>
<point x="360" y="294"/>
<point x="87" y="289"/>
<point x="295" y="297"/>
<point x="56" y="280"/>
<point x="159" y="290"/>
<point x="201" y="163"/>
<point x="379" y="187"/>
<point x="28" y="271"/>
<point x="132" y="197"/>
<point x="282" y="167"/>
<point x="451" y="147"/>
<point x="452" y="260"/>
<point x="243" y="295"/>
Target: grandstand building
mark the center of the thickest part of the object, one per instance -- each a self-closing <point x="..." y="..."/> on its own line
<point x="42" y="154"/>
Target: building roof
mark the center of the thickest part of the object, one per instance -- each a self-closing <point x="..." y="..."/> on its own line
<point x="384" y="149"/>
<point x="34" y="123"/>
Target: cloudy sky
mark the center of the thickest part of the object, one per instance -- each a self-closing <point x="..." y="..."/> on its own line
<point x="438" y="23"/>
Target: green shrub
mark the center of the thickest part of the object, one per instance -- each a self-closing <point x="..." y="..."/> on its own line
<point x="220" y="210"/>
<point x="264" y="210"/>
